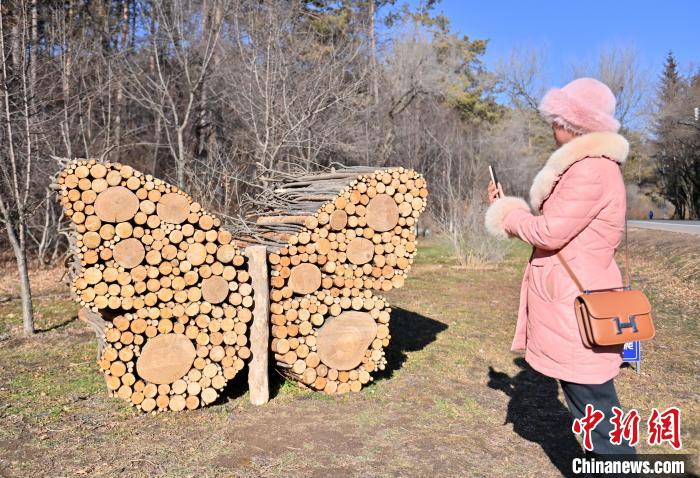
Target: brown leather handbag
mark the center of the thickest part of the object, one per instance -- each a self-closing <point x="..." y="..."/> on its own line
<point x="612" y="316"/>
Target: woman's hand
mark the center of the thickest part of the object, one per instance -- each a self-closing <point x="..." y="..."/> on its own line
<point x="495" y="192"/>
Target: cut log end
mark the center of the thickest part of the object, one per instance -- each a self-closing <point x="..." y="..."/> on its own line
<point x="382" y="213"/>
<point x="173" y="208"/>
<point x="116" y="204"/>
<point x="129" y="253"/>
<point x="305" y="278"/>
<point x="343" y="340"/>
<point x="215" y="289"/>
<point x="166" y="358"/>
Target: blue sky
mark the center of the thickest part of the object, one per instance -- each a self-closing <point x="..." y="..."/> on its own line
<point x="573" y="31"/>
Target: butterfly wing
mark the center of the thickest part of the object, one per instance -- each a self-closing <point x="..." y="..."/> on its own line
<point x="329" y="326"/>
<point x="167" y="279"/>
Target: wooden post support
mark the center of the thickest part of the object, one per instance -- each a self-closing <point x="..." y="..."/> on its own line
<point x="258" y="381"/>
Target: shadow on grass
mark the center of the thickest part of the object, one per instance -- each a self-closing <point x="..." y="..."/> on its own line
<point x="238" y="386"/>
<point x="410" y="332"/>
<point x="234" y="388"/>
<point x="60" y="325"/>
<point x="537" y="414"/>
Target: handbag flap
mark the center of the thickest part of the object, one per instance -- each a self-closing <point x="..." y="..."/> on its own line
<point x="623" y="303"/>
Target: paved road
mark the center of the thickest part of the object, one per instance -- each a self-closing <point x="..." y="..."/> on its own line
<point x="689" y="227"/>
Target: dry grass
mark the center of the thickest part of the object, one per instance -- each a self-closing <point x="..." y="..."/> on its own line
<point x="456" y="402"/>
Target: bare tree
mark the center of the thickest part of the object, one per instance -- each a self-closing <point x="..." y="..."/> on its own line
<point x="521" y="76"/>
<point x="288" y="86"/>
<point x="170" y="90"/>
<point x="216" y="94"/>
<point x="677" y="147"/>
<point x="16" y="199"/>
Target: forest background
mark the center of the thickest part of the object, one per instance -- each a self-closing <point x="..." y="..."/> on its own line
<point x="220" y="97"/>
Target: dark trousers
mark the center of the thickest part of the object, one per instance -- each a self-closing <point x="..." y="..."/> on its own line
<point x="603" y="397"/>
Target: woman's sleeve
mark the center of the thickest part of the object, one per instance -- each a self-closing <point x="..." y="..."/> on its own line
<point x="577" y="201"/>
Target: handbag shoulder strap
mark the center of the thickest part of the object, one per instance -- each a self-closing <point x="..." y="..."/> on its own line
<point x="570" y="272"/>
<point x="575" y="278"/>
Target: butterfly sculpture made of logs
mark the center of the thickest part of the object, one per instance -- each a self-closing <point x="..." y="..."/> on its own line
<point x="170" y="289"/>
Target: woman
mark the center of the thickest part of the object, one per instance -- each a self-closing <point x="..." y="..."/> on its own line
<point x="580" y="202"/>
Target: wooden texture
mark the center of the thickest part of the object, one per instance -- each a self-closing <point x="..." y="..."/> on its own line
<point x="116" y="204"/>
<point x="129" y="253"/>
<point x="160" y="281"/>
<point x="305" y="278"/>
<point x="343" y="340"/>
<point x="338" y="220"/>
<point x="335" y="240"/>
<point x="360" y="251"/>
<point x="350" y="233"/>
<point x="382" y="213"/>
<point x="165" y="358"/>
<point x="173" y="207"/>
<point x="258" y="373"/>
<point x="214" y="289"/>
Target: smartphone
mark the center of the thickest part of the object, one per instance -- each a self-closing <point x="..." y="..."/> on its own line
<point x="494" y="178"/>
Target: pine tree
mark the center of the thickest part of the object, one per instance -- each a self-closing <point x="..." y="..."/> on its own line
<point x="676" y="142"/>
<point x="670" y="80"/>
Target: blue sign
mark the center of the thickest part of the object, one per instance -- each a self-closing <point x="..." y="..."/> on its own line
<point x="632" y="352"/>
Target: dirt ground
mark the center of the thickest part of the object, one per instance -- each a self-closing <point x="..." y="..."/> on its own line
<point x="454" y="402"/>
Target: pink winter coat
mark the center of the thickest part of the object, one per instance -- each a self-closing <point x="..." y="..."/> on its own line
<point x="580" y="195"/>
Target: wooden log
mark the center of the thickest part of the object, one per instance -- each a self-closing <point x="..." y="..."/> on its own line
<point x="263" y="220"/>
<point x="173" y="208"/>
<point x="196" y="254"/>
<point x="382" y="213"/>
<point x="338" y="220"/>
<point x="165" y="358"/>
<point x="148" y="265"/>
<point x="360" y="251"/>
<point x="304" y="278"/>
<point x="358" y="233"/>
<point x="343" y="341"/>
<point x="116" y="204"/>
<point x="333" y="239"/>
<point x="129" y="253"/>
<point x="258" y="381"/>
<point x="215" y="289"/>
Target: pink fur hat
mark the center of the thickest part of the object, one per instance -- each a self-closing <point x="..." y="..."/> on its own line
<point x="585" y="105"/>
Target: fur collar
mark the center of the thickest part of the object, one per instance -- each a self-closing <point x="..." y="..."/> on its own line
<point x="610" y="145"/>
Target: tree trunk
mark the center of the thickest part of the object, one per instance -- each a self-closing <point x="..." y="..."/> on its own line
<point x="119" y="119"/>
<point x="18" y="247"/>
<point x="65" y="85"/>
<point x="34" y="48"/>
<point x="203" y="113"/>
<point x="373" y="53"/>
<point x="180" y="160"/>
